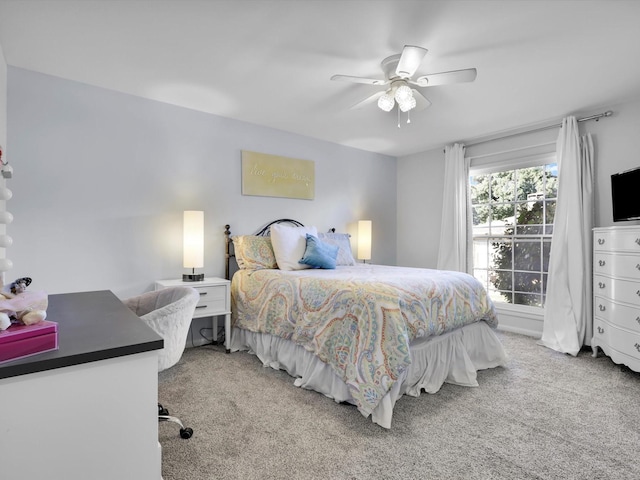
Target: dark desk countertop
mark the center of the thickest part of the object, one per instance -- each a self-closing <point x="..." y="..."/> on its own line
<point x="92" y="326"/>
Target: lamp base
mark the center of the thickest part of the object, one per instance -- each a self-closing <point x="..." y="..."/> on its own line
<point x="193" y="277"/>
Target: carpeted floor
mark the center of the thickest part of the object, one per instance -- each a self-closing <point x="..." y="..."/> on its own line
<point x="545" y="416"/>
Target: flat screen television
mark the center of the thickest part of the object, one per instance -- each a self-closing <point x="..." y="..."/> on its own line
<point x="625" y="193"/>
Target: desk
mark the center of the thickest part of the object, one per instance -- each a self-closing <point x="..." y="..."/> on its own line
<point x="88" y="409"/>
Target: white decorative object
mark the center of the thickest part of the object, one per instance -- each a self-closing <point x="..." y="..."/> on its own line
<point x="5" y="264"/>
<point x="5" y="193"/>
<point x="616" y="294"/>
<point x="6" y="217"/>
<point x="5" y="241"/>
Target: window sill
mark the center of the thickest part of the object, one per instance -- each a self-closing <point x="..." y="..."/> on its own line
<point x="520" y="319"/>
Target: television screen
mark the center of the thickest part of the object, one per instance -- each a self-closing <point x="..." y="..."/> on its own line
<point x="625" y="187"/>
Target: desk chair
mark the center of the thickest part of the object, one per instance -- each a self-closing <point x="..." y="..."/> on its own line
<point x="168" y="312"/>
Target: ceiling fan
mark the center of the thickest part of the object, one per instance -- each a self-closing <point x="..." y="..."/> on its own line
<point x="401" y="87"/>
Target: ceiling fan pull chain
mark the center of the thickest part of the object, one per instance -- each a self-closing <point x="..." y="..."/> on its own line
<point x="409" y="116"/>
<point x="398" y="117"/>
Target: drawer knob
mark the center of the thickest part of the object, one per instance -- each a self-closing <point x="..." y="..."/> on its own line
<point x="638" y="241"/>
<point x="601" y="284"/>
<point x="203" y="293"/>
<point x="638" y="293"/>
<point x="602" y="307"/>
<point x="637" y="347"/>
<point x="602" y="263"/>
<point x="201" y="306"/>
<point x="600" y="330"/>
<point x="601" y="241"/>
<point x="638" y="320"/>
<point x="638" y="266"/>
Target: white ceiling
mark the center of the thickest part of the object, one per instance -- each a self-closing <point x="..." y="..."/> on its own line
<point x="269" y="62"/>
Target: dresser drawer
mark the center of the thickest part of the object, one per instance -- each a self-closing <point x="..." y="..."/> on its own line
<point x="617" y="338"/>
<point x="213" y="301"/>
<point x="617" y="265"/>
<point x="625" y="291"/>
<point x="619" y="315"/>
<point x="618" y="240"/>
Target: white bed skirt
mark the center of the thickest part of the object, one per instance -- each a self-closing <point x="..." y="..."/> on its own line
<point x="454" y="357"/>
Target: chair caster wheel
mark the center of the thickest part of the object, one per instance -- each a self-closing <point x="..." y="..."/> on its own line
<point x="186" y="432"/>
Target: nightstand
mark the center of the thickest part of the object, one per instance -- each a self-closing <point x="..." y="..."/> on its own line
<point x="215" y="300"/>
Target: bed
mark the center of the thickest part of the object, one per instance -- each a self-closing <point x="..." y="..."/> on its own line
<point x="358" y="333"/>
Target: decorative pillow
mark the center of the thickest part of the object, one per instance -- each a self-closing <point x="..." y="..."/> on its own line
<point x="345" y="255"/>
<point x="319" y="254"/>
<point x="289" y="244"/>
<point x="254" y="253"/>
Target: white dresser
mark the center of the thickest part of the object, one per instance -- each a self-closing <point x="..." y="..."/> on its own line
<point x="616" y="294"/>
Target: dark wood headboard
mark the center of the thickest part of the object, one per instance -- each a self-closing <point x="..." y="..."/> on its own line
<point x="263" y="232"/>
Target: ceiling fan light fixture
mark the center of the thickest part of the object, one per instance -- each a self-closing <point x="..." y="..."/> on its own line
<point x="408" y="104"/>
<point x="403" y="93"/>
<point x="386" y="102"/>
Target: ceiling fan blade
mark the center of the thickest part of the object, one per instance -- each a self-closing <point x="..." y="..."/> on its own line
<point x="352" y="79"/>
<point x="422" y="102"/>
<point x="410" y="60"/>
<point x="445" y="78"/>
<point x="367" y="101"/>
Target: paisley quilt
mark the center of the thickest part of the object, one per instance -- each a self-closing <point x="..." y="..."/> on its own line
<point x="359" y="319"/>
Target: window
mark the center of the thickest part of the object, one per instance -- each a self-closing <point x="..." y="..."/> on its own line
<point x="513" y="211"/>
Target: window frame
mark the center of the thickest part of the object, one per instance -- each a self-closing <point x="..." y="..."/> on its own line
<point x="483" y="166"/>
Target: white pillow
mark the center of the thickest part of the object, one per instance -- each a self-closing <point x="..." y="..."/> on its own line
<point x="289" y="244"/>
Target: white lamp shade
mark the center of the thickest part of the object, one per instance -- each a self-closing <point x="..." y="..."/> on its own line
<point x="364" y="240"/>
<point x="193" y="239"/>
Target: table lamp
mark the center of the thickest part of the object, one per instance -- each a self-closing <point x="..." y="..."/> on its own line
<point x="193" y="253"/>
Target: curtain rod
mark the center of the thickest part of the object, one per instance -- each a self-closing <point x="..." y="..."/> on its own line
<point x="596" y="117"/>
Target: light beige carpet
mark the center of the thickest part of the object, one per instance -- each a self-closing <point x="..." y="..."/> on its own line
<point x="545" y="416"/>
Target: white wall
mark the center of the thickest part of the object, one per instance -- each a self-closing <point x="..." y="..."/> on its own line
<point x="101" y="179"/>
<point x="420" y="189"/>
<point x="3" y="142"/>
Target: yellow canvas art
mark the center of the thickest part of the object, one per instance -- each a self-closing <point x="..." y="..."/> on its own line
<point x="274" y="176"/>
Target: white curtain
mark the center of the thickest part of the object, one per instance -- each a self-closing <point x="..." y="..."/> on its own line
<point x="455" y="231"/>
<point x="567" y="311"/>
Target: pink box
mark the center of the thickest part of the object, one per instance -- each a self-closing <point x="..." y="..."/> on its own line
<point x="20" y="341"/>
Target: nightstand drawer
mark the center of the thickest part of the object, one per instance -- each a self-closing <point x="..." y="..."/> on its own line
<point x="213" y="301"/>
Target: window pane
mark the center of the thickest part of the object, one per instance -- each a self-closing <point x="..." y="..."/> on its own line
<point x="502" y="186"/>
<point x="550" y="211"/>
<point x="501" y="216"/>
<point x="527" y="282"/>
<point x="527" y="255"/>
<point x="480" y="215"/>
<point x="501" y="279"/>
<point x="530" y="183"/>
<point x="527" y="299"/>
<point x="480" y="253"/>
<point x="501" y="254"/>
<point x="546" y="249"/>
<point x="479" y="189"/>
<point x="530" y="213"/>
<point x="481" y="276"/>
<point x="551" y="174"/>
